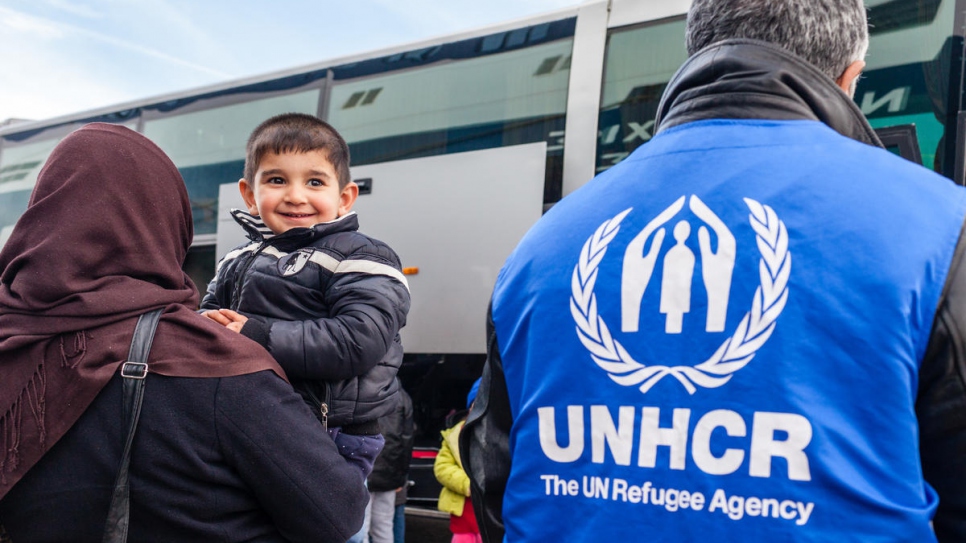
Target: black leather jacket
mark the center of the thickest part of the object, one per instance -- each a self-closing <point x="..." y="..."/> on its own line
<point x="743" y="79"/>
<point x="328" y="303"/>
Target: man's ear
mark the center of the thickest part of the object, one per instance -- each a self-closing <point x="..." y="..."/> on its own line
<point x="248" y="194"/>
<point x="850" y="76"/>
<point x="348" y="197"/>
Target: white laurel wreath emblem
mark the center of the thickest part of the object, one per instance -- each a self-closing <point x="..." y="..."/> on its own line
<point x="734" y="354"/>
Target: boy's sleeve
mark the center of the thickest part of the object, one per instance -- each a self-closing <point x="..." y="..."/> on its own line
<point x="368" y="303"/>
<point x="217" y="295"/>
<point x="211" y="301"/>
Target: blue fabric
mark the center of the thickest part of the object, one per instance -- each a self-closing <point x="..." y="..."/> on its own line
<point x="359" y="450"/>
<point x="399" y="524"/>
<point x="472" y="394"/>
<point x="785" y="413"/>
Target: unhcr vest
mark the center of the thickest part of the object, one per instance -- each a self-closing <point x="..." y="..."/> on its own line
<point x="720" y="338"/>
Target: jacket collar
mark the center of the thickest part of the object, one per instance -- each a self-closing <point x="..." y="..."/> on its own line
<point x="257" y="231"/>
<point x="750" y="79"/>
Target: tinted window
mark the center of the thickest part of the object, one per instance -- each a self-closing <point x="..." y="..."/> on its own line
<point x="489" y="100"/>
<point x="906" y="79"/>
<point x="639" y="63"/>
<point x="199" y="264"/>
<point x="19" y="166"/>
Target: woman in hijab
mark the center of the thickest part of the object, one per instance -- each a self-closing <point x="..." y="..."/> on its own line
<point x="225" y="449"/>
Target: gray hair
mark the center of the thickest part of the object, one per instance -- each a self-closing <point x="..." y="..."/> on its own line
<point x="830" y="34"/>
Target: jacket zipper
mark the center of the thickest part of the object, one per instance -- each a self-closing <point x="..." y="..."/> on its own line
<point x="240" y="277"/>
<point x="324" y="408"/>
<point x="236" y="291"/>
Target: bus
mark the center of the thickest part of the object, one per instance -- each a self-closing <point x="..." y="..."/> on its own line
<point x="460" y="143"/>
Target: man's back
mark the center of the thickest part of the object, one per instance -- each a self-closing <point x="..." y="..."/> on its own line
<point x="722" y="335"/>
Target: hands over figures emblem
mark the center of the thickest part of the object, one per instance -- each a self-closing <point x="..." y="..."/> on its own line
<point x="736" y="351"/>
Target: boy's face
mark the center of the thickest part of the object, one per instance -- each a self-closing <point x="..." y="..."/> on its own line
<point x="292" y="190"/>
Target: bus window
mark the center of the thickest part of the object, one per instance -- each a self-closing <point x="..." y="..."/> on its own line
<point x="22" y="156"/>
<point x="515" y="95"/>
<point x="199" y="264"/>
<point x="19" y="166"/>
<point x="208" y="146"/>
<point x="906" y="79"/>
<point x="639" y="63"/>
<point x="901" y="140"/>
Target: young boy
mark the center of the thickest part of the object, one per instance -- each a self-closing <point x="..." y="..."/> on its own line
<point x="325" y="300"/>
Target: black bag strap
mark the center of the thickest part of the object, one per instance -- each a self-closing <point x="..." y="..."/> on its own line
<point x="134" y="370"/>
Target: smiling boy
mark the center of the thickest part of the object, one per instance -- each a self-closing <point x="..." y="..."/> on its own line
<point x="297" y="190"/>
<point x="324" y="299"/>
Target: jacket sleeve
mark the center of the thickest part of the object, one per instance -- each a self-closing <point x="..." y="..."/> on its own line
<point x="941" y="404"/>
<point x="485" y="442"/>
<point x="392" y="464"/>
<point x="211" y="301"/>
<point x="366" y="313"/>
<point x="293" y="468"/>
<point x="218" y="293"/>
<point x="449" y="473"/>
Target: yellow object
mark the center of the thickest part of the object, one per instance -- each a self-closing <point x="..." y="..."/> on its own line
<point x="449" y="472"/>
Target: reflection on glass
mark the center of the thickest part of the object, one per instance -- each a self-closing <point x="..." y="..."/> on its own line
<point x="906" y="79"/>
<point x="490" y="101"/>
<point x="199" y="264"/>
<point x="20" y="164"/>
<point x="209" y="146"/>
<point x="19" y="167"/>
<point x="639" y="63"/>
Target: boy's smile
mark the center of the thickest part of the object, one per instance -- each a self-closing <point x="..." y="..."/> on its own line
<point x="293" y="190"/>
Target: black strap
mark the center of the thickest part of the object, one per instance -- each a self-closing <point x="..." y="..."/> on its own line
<point x="134" y="370"/>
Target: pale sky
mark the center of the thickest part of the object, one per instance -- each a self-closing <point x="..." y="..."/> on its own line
<point x="67" y="56"/>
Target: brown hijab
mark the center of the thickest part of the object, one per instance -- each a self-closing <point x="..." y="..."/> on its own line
<point x="102" y="241"/>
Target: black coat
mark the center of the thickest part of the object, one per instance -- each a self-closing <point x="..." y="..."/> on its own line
<point x="391" y="470"/>
<point x="214" y="459"/>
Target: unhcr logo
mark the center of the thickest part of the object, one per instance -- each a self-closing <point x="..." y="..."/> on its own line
<point x="676" y="279"/>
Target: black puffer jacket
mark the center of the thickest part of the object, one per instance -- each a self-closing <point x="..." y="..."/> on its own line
<point x="328" y="303"/>
<point x="391" y="470"/>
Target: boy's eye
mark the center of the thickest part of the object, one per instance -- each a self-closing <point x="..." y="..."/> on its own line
<point x="275" y="181"/>
<point x="316" y="183"/>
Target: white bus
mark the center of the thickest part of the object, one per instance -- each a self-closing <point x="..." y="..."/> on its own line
<point x="461" y="142"/>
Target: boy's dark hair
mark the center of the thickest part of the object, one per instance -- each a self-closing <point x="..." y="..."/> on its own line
<point x="298" y="133"/>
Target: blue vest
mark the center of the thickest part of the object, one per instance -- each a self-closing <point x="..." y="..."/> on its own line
<point x="721" y="337"/>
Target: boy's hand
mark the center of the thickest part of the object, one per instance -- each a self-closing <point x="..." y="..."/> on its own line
<point x="214" y="315"/>
<point x="227" y="318"/>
